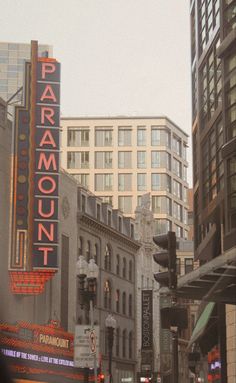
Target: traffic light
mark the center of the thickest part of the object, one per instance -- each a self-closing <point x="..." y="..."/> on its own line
<point x="166" y="257"/>
<point x="101" y="378"/>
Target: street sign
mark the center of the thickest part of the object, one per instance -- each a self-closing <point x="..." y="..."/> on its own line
<point x="86" y="346"/>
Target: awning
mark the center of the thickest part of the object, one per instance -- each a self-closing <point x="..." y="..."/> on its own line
<point x="215" y="281"/>
<point x="202" y="322"/>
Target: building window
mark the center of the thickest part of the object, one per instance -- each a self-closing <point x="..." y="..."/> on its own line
<point x="213" y="167"/>
<point x="124" y="268"/>
<point x="107" y="199"/>
<point x="124" y="336"/>
<point x="103" y="160"/>
<point x="118" y="301"/>
<point x="107" y="295"/>
<point x="162" y="226"/>
<point x="179" y="231"/>
<point x="141" y="181"/>
<point x="176" y="145"/>
<point x="88" y="251"/>
<point x="103" y="137"/>
<point x="160" y="137"/>
<point x="118" y="264"/>
<point x="161" y="182"/>
<point x="130" y="271"/>
<point x="107" y="258"/>
<point x="130" y="345"/>
<point x="81" y="245"/>
<point x="83" y="179"/>
<point x="124" y="303"/>
<point x="188" y="265"/>
<point x="184" y="154"/>
<point x="177" y="189"/>
<point x="120" y="226"/>
<point x="178" y="211"/>
<point x="118" y="341"/>
<point x="83" y="203"/>
<point x="103" y="182"/>
<point x="141" y="137"/>
<point x="130" y="305"/>
<point x="98" y="212"/>
<point x="125" y="182"/>
<point x="124" y="137"/>
<point x="160" y="159"/>
<point x="77" y="160"/>
<point x="161" y="205"/>
<point x="109" y="215"/>
<point x="230" y="94"/>
<point x="209" y="14"/>
<point x="141" y="160"/>
<point x="96" y="253"/>
<point x="178" y="269"/>
<point x="176" y="168"/>
<point x="124" y="160"/>
<point x="125" y="204"/>
<point x="132" y="231"/>
<point x="77" y="137"/>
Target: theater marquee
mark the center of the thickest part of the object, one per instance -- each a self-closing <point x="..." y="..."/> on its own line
<point x="34" y="247"/>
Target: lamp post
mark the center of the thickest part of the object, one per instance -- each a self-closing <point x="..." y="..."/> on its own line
<point x="110" y="324"/>
<point x="87" y="294"/>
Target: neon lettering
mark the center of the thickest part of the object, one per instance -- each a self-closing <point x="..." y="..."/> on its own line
<point x="48" y="94"/>
<point x="47" y="68"/>
<point x="47" y="113"/>
<point x="47" y="162"/>
<point x="45" y="250"/>
<point x="47" y="139"/>
<point x="42" y="213"/>
<point x="42" y="188"/>
<point x="43" y="230"/>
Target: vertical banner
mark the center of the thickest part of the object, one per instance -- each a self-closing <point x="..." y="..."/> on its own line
<point x="35" y="178"/>
<point x="147" y="320"/>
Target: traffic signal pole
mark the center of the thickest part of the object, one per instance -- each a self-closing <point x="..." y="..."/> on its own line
<point x="175" y="358"/>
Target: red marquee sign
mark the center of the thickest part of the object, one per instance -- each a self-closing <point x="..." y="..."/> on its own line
<point x="34" y="250"/>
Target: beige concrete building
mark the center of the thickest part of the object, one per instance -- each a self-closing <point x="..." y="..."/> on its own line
<point x="121" y="158"/>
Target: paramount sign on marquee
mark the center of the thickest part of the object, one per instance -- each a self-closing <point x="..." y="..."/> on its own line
<point x="34" y="250"/>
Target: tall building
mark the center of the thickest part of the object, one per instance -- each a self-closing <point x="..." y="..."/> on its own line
<point x="213" y="63"/>
<point x="12" y="59"/>
<point x="121" y="158"/>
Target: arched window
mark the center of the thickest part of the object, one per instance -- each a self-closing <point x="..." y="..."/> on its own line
<point x="124" y="268"/>
<point x="107" y="295"/>
<point x="107" y="258"/>
<point x="96" y="253"/>
<point x="124" y="303"/>
<point x="130" y="271"/>
<point x="124" y="344"/>
<point x="118" y="264"/>
<point x="88" y="251"/>
<point x="130" y="345"/>
<point x="130" y="305"/>
<point x="81" y="244"/>
<point x="118" y="301"/>
<point x="117" y="341"/>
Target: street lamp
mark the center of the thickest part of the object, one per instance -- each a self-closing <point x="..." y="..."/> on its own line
<point x="87" y="294"/>
<point x="110" y="324"/>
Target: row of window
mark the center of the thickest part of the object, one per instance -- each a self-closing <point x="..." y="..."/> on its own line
<point x="104" y="182"/>
<point x="104" y="160"/>
<point x="121" y="300"/>
<point x="123" y="343"/>
<point x="209" y="17"/>
<point x="104" y="137"/>
<point x="122" y="267"/>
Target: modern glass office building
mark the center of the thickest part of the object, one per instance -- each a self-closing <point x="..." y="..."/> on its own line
<point x="120" y="159"/>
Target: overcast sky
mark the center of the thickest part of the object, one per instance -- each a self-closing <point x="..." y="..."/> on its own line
<point x="118" y="57"/>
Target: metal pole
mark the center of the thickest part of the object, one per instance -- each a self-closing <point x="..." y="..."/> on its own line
<point x="175" y="363"/>
<point x="92" y="327"/>
<point x="110" y="346"/>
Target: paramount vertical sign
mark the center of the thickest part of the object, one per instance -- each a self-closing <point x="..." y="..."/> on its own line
<point x="34" y="216"/>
